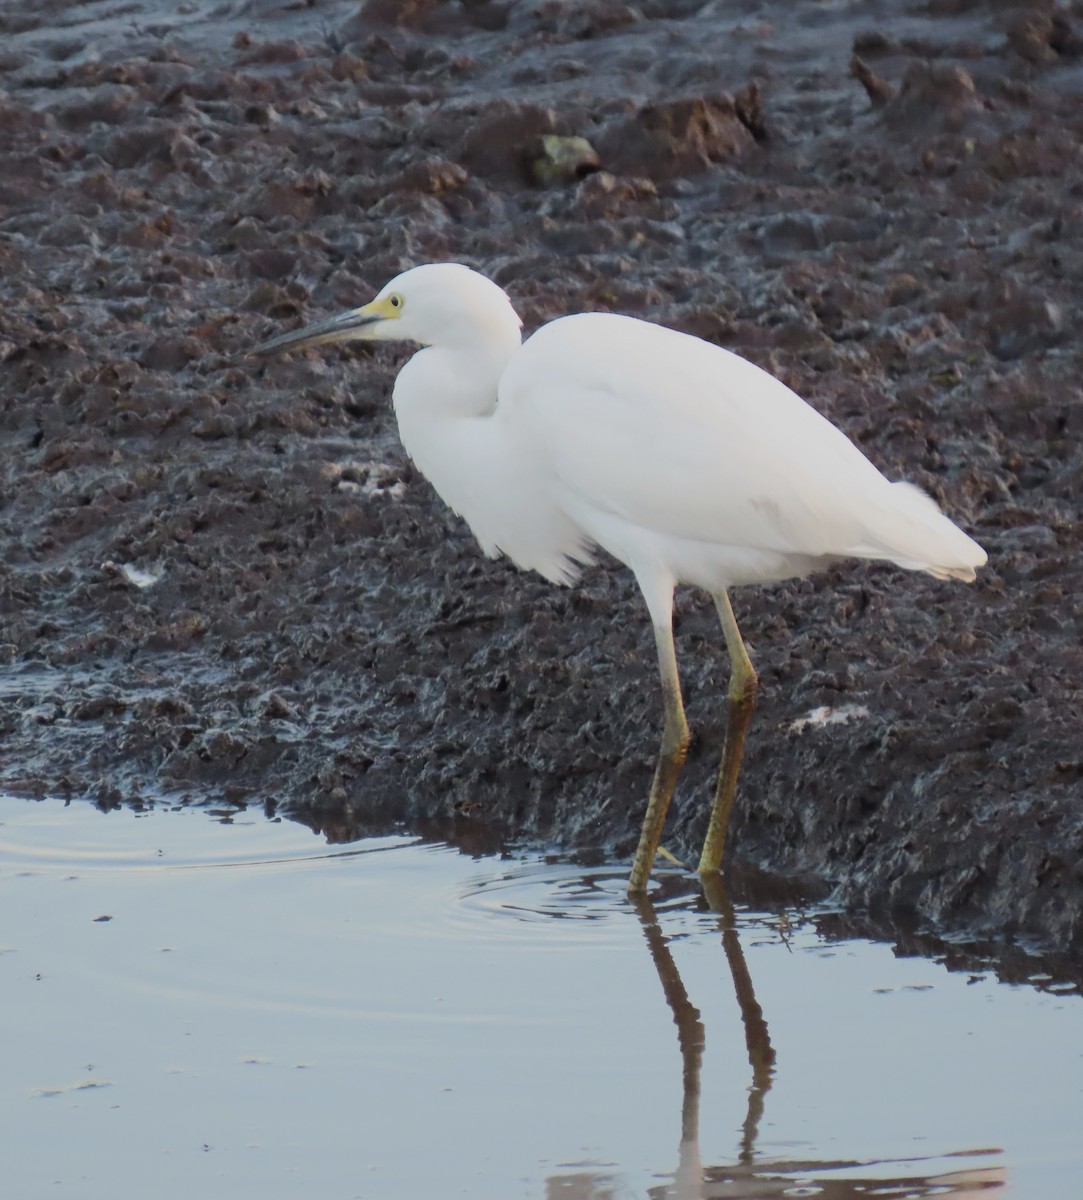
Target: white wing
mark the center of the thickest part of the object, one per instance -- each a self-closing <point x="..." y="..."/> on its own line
<point x="687" y="440"/>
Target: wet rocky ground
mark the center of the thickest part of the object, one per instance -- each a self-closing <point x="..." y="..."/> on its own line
<point x="223" y="582"/>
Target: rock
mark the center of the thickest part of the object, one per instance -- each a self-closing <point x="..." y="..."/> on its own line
<point x="499" y="136"/>
<point x="555" y="159"/>
<point x="933" y="97"/>
<point x="878" y="90"/>
<point x="603" y="196"/>
<point x="678" y="137"/>
<point x="1044" y="37"/>
<point x="1024" y="324"/>
<point x="170" y="353"/>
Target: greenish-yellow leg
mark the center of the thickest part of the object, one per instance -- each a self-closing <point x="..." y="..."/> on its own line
<point x="744" y="687"/>
<point x="670" y="760"/>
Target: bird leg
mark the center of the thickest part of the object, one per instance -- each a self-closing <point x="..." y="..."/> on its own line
<point x="671" y="758"/>
<point x="744" y="687"/>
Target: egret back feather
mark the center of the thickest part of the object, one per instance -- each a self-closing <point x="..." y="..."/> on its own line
<point x="696" y="446"/>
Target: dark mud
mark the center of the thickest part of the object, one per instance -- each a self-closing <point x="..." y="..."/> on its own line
<point x="223" y="581"/>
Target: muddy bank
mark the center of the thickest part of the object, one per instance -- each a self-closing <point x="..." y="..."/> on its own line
<point x="222" y="579"/>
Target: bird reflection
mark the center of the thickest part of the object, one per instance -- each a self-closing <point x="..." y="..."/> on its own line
<point x="751" y="1175"/>
<point x="688" y="1182"/>
<point x="761" y="1054"/>
<point x="691" y="1037"/>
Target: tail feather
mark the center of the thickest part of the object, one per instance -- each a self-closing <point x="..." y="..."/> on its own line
<point x="909" y="530"/>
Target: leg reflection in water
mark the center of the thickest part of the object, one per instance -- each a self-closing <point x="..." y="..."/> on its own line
<point x="761" y="1054"/>
<point x="688" y="1183"/>
<point x="759" y="1176"/>
<point x="751" y="1173"/>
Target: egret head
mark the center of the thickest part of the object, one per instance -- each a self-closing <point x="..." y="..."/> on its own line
<point x="439" y="304"/>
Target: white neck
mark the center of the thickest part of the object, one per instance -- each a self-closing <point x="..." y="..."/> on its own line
<point x="444" y="382"/>
<point x="451" y="426"/>
<point x="444" y="398"/>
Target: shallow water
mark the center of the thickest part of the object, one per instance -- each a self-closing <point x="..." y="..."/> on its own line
<point x="231" y="1007"/>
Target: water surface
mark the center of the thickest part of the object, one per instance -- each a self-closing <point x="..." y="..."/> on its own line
<point x="235" y="1008"/>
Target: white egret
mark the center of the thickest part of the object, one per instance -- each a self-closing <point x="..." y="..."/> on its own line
<point x="684" y="461"/>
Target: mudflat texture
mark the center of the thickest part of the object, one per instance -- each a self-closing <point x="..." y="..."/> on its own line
<point x="223" y="582"/>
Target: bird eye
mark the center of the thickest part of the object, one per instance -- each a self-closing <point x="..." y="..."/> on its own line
<point x="395" y="301"/>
